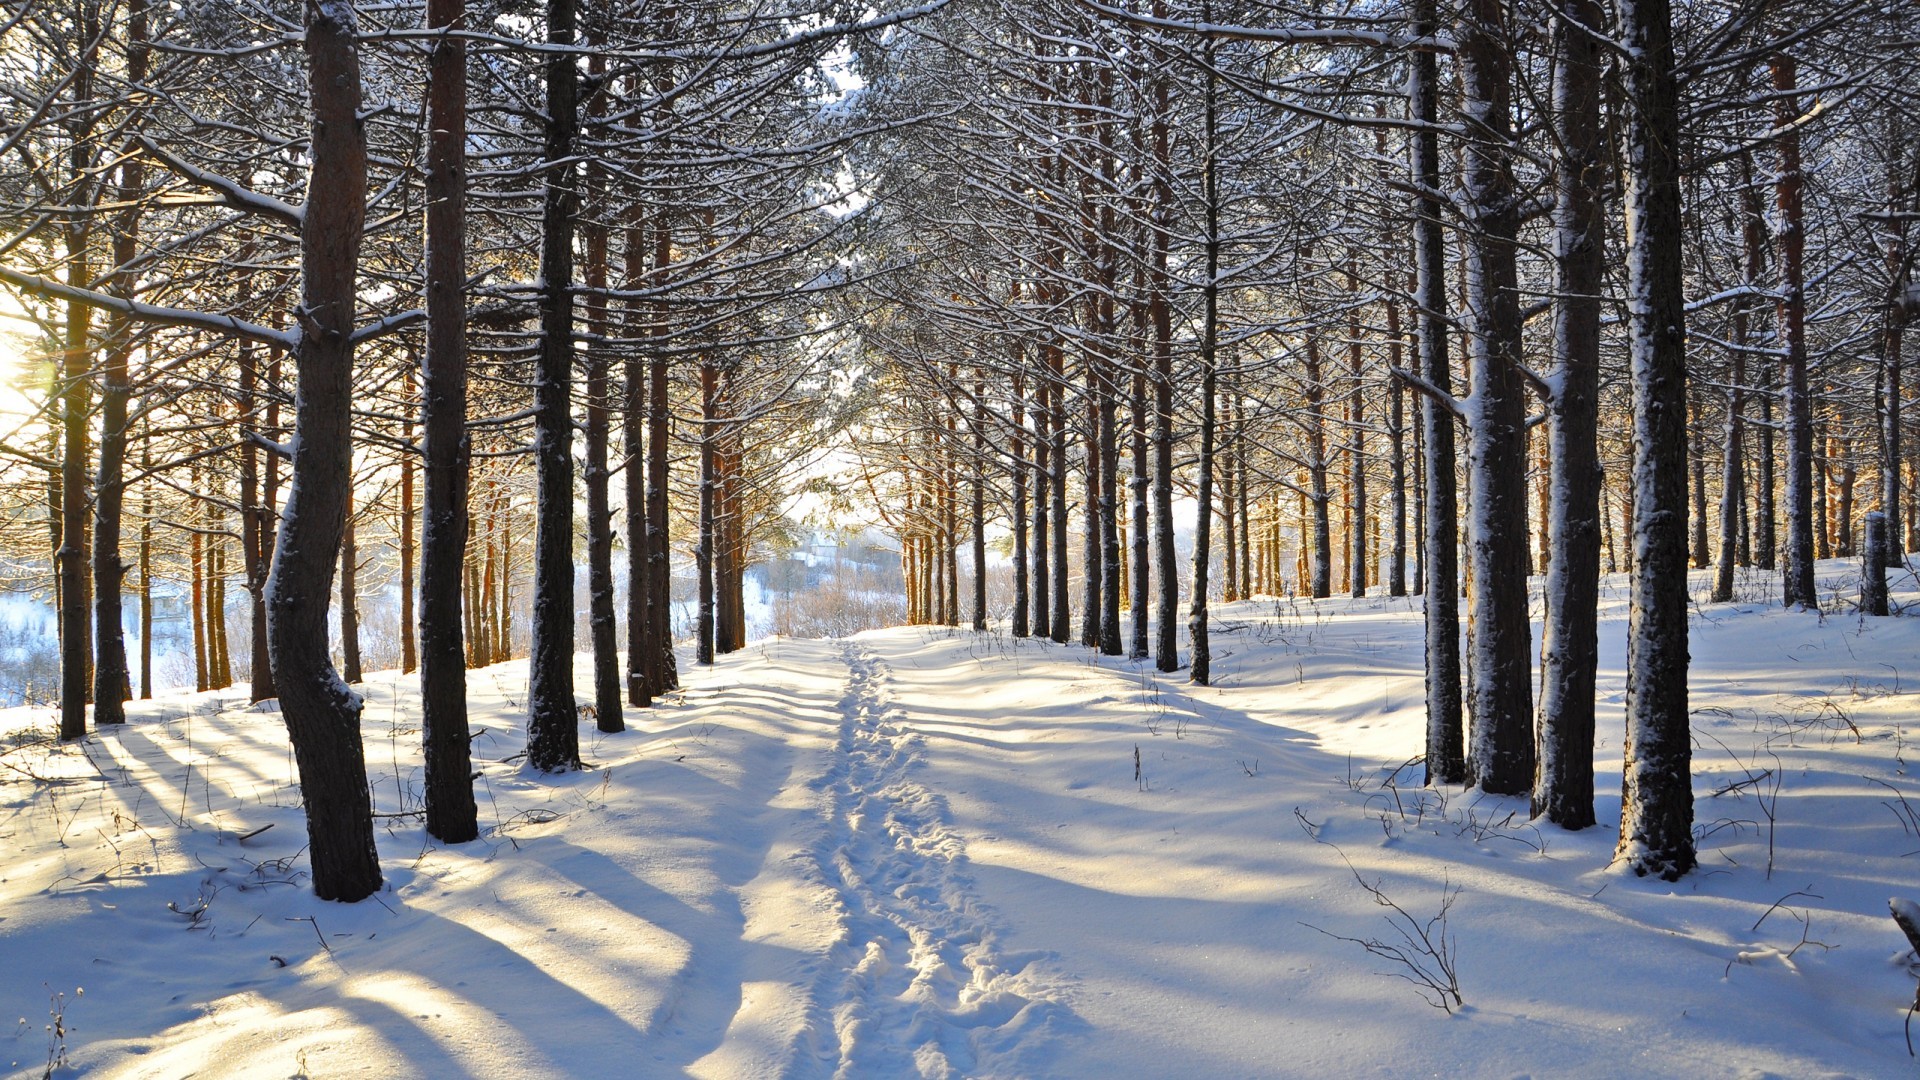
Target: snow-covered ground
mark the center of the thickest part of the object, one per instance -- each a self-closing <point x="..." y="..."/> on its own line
<point x="937" y="853"/>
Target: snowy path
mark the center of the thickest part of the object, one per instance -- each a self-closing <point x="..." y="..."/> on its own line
<point x="924" y="852"/>
<point x="919" y="985"/>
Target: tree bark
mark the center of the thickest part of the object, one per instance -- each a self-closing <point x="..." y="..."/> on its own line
<point x="110" y="677"/>
<point x="1439" y="565"/>
<point x="1563" y="791"/>
<point x="1201" y="672"/>
<point x="1790" y="235"/>
<point x="322" y="715"/>
<point x="703" y="552"/>
<point x="1017" y="480"/>
<point x="600" y="608"/>
<point x="451" y="815"/>
<point x="553" y="730"/>
<point x="1500" y="756"/>
<point x="1656" y="818"/>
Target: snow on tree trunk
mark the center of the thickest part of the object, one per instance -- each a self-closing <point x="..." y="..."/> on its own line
<point x="1439" y="564"/>
<point x="1500" y="755"/>
<point x="1563" y="791"/>
<point x="1656" y="816"/>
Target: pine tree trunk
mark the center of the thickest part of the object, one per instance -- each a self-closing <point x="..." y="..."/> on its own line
<point x="1041" y="536"/>
<point x="979" y="509"/>
<point x="146" y="576"/>
<point x="110" y="678"/>
<point x="1318" y="494"/>
<point x="268" y="530"/>
<point x="633" y="445"/>
<point x="408" y="523"/>
<point x="1892" y="333"/>
<point x="553" y="730"/>
<point x="1563" y="791"/>
<point x="602" y="628"/>
<point x="1790" y="235"/>
<point x="1141" y="549"/>
<point x="1201" y="672"/>
<point x="1093" y="517"/>
<point x="1656" y="817"/>
<point x="1445" y="754"/>
<point x="662" y="670"/>
<point x="1733" y="481"/>
<point x="703" y="552"/>
<point x="322" y="715"/>
<point x="1500" y="756"/>
<point x="1017" y="481"/>
<point x="1062" y="622"/>
<point x="72" y="558"/>
<point x="451" y="815"/>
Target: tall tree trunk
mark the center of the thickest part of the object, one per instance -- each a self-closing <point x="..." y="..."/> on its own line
<point x="1093" y="517"/>
<point x="451" y="814"/>
<point x="1656" y="816"/>
<point x="1042" y="534"/>
<point x="1062" y="622"/>
<point x="197" y="595"/>
<point x="322" y="715"/>
<point x="267" y="531"/>
<point x="1790" y="234"/>
<point x="1357" y="449"/>
<point x="662" y="669"/>
<point x="409" y="641"/>
<point x="1439" y="563"/>
<point x="1500" y="755"/>
<point x="633" y="446"/>
<point x="1900" y="183"/>
<point x="1017" y="480"/>
<point x="1201" y="672"/>
<point x="146" y="574"/>
<point x="1225" y="481"/>
<point x="1141" y="551"/>
<point x="979" y="508"/>
<point x="110" y="678"/>
<point x="1733" y="481"/>
<point x="1166" y="645"/>
<point x="600" y="615"/>
<point x="1697" y="481"/>
<point x="71" y="558"/>
<point x="1563" y="790"/>
<point x="1111" y="579"/>
<point x="252" y="546"/>
<point x="553" y="728"/>
<point x="1318" y="495"/>
<point x="703" y="553"/>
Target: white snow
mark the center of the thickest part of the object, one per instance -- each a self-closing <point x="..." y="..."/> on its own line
<point x="924" y="852"/>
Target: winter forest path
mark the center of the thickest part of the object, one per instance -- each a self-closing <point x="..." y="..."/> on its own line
<point x="931" y="852"/>
<point x="919" y="983"/>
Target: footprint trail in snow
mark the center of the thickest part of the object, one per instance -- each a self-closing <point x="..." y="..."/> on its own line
<point x="920" y="986"/>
